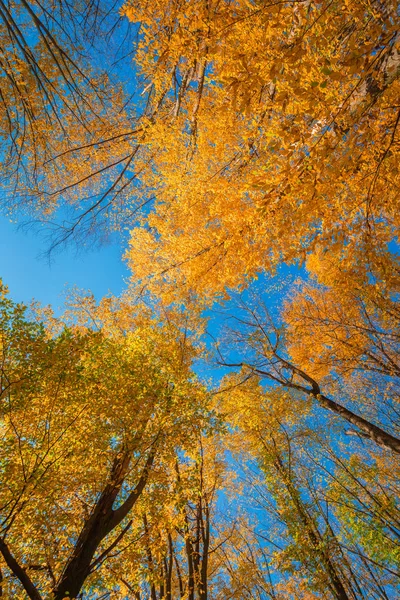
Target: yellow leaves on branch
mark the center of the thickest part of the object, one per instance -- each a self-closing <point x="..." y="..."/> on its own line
<point x="287" y="142"/>
<point x="346" y="318"/>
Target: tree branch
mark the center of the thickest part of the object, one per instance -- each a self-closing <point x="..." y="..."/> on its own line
<point x="19" y="572"/>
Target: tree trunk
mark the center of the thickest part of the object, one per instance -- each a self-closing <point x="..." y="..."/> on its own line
<point x="373" y="432"/>
<point x="313" y="533"/>
<point x="101" y="522"/>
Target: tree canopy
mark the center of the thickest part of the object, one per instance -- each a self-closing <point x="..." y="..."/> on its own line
<point x="229" y="426"/>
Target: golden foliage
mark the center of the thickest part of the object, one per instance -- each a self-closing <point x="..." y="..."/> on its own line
<point x="277" y="137"/>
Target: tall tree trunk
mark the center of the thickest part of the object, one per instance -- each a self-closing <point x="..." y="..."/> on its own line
<point x="371" y="431"/>
<point x="150" y="562"/>
<point x="203" y="581"/>
<point x="312" y="532"/>
<point x="168" y="569"/>
<point x="189" y="556"/>
<point x="101" y="522"/>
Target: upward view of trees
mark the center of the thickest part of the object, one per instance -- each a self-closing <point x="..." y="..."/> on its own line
<point x="222" y="430"/>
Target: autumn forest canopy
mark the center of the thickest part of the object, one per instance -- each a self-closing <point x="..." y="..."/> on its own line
<point x="229" y="426"/>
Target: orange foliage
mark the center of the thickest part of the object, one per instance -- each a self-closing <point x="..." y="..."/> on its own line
<point x="276" y="137"/>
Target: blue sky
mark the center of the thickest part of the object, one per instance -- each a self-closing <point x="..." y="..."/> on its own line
<point x="28" y="273"/>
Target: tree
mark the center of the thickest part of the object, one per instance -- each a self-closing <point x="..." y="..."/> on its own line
<point x="312" y="495"/>
<point x="88" y="418"/>
<point x="276" y="138"/>
<point x="264" y="354"/>
<point x="68" y="137"/>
